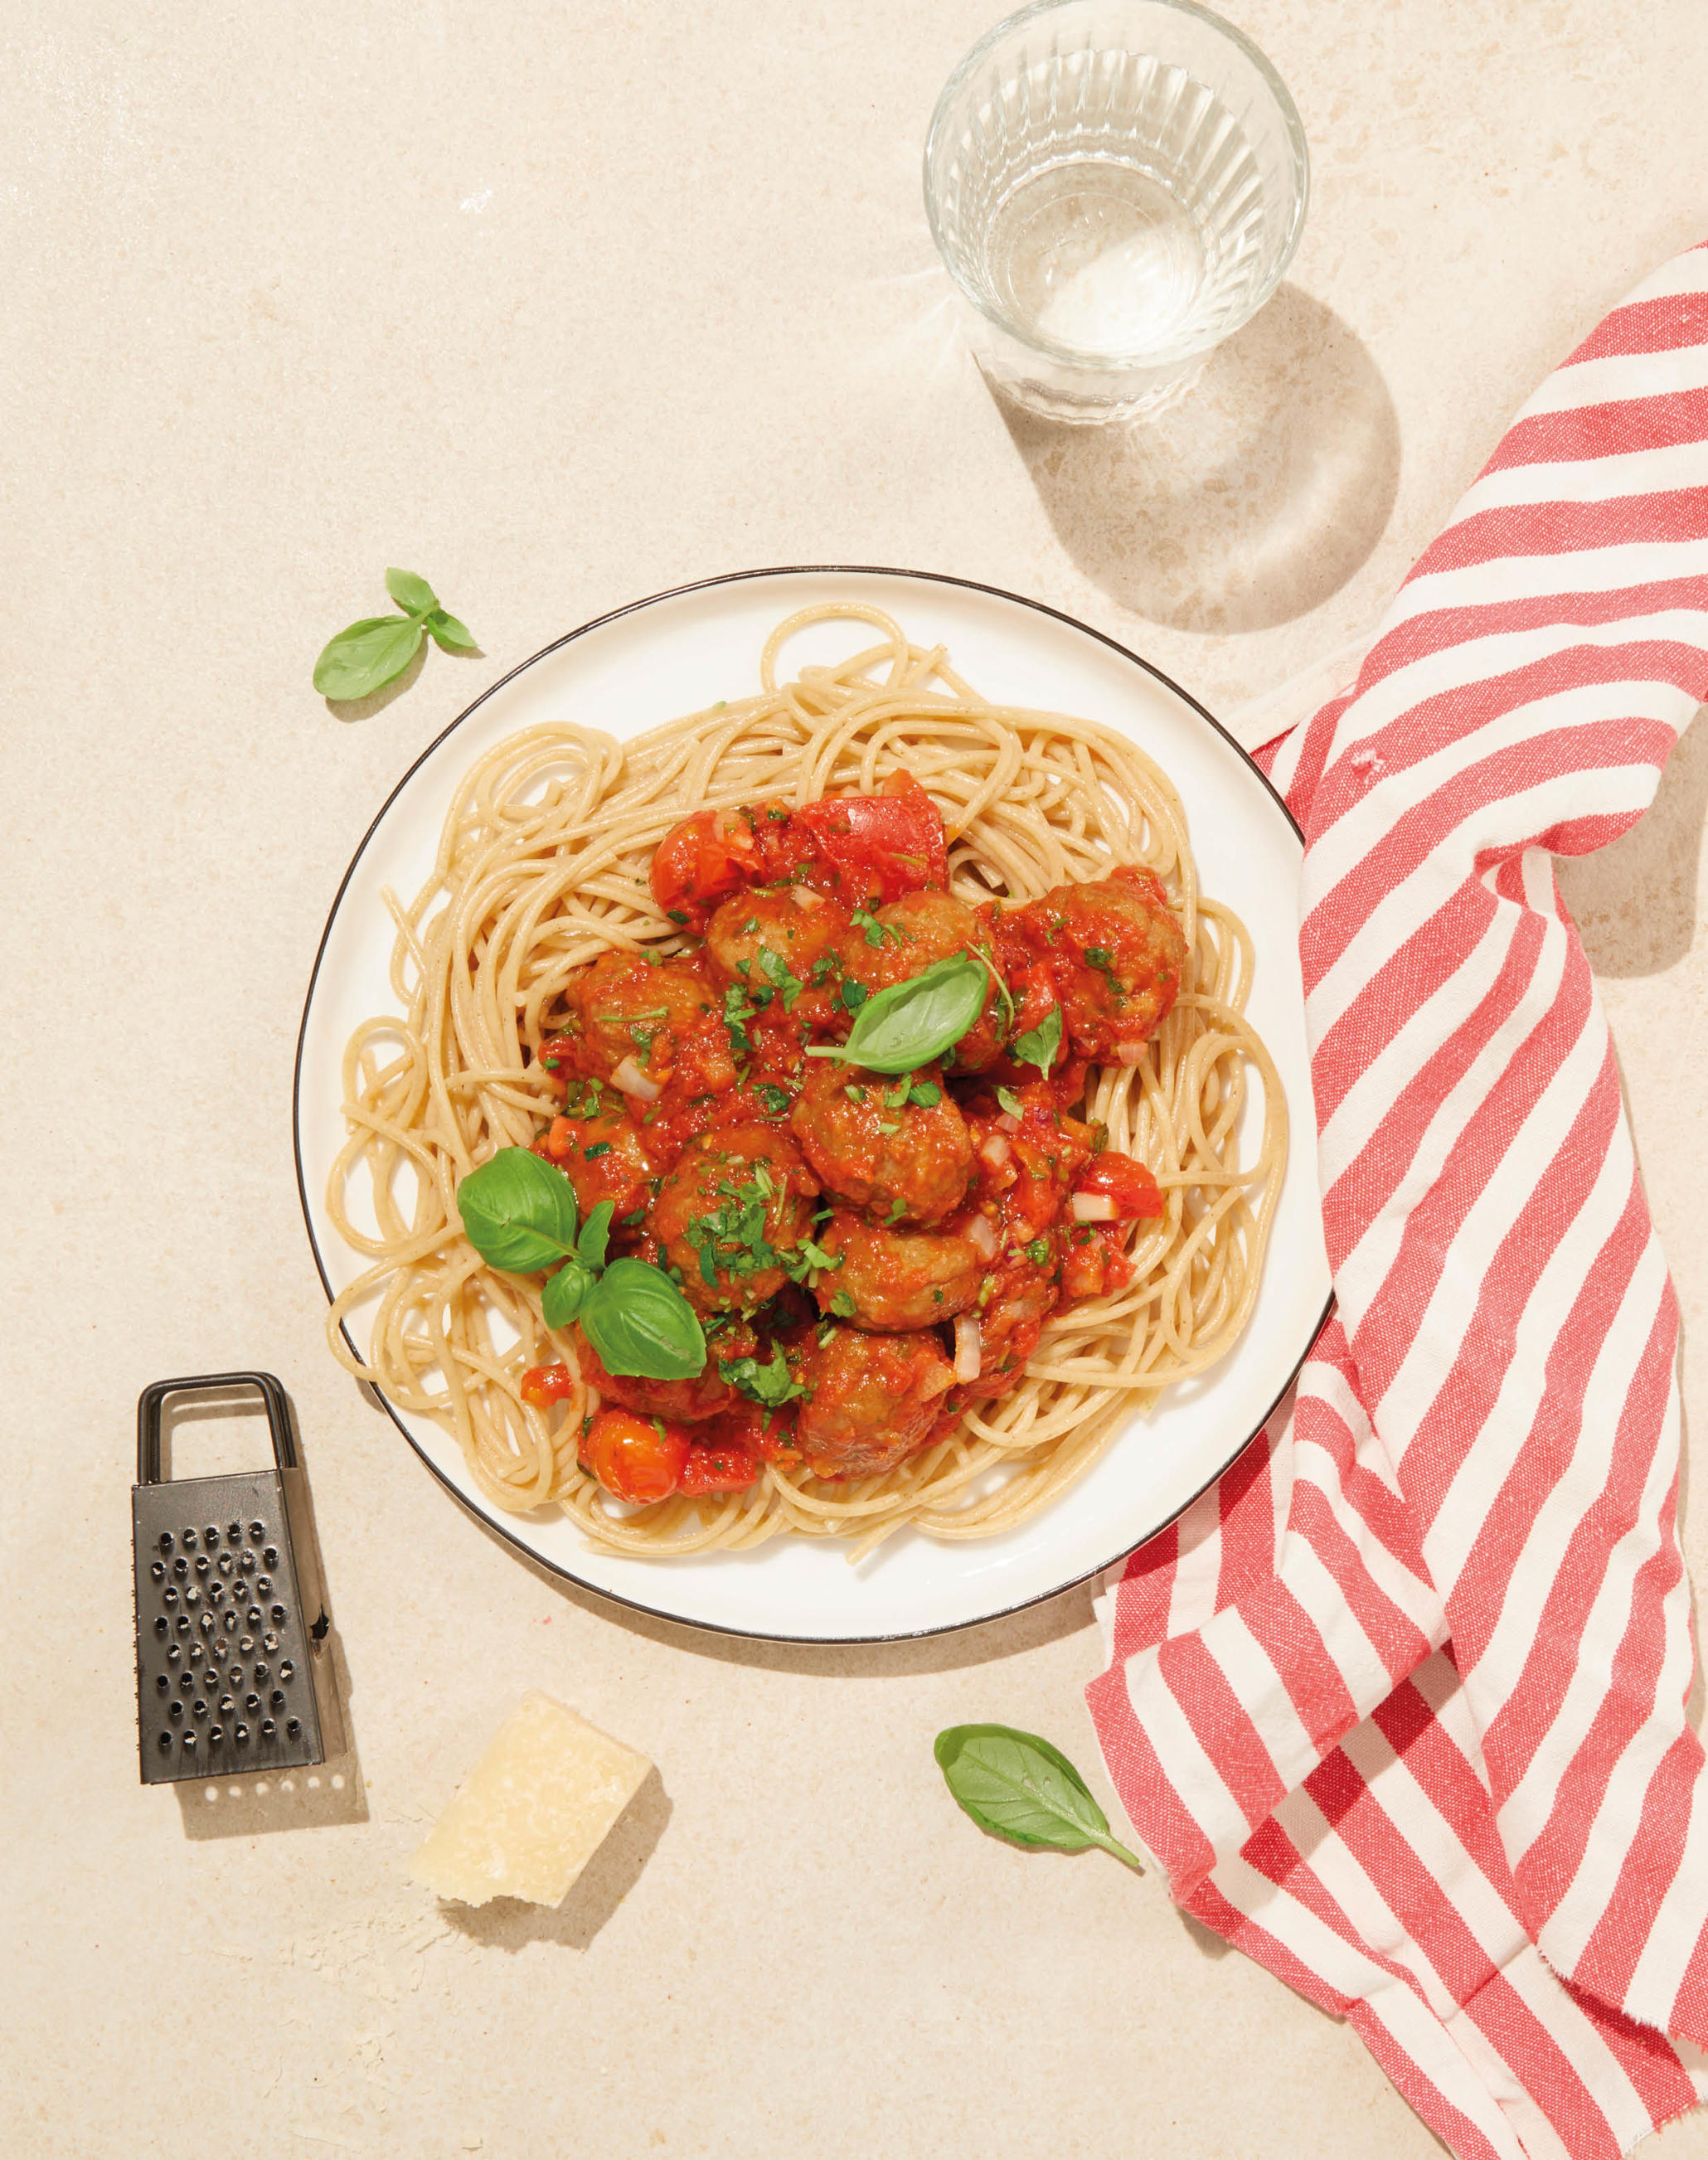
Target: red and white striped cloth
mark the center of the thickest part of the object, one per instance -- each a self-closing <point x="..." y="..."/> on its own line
<point x="1400" y="1705"/>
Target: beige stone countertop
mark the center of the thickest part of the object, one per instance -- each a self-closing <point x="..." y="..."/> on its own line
<point x="562" y="305"/>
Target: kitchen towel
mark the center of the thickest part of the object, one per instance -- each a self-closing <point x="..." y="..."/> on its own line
<point x="1399" y="1704"/>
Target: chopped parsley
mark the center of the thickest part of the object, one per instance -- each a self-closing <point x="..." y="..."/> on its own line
<point x="776" y="970"/>
<point x="896" y="1096"/>
<point x="898" y="1208"/>
<point x="676" y="915"/>
<point x="775" y="1100"/>
<point x="737" y="1012"/>
<point x="876" y="932"/>
<point x="842" y="1306"/>
<point x="1038" y="1252"/>
<point x="1097" y="956"/>
<point x="854" y="1092"/>
<point x="1011" y="1102"/>
<point x="853" y="995"/>
<point x="927" y="1093"/>
<point x="769" y="1385"/>
<point x="822" y="966"/>
<point x="599" y="1148"/>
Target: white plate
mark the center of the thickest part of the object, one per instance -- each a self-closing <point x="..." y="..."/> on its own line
<point x="676" y="654"/>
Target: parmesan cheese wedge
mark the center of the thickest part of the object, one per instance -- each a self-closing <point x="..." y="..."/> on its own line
<point x="534" y="1810"/>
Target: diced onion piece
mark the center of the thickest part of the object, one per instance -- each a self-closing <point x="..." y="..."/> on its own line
<point x="969" y="1347"/>
<point x="804" y="896"/>
<point x="632" y="1081"/>
<point x="590" y="1407"/>
<point x="996" y="1151"/>
<point x="1129" y="1053"/>
<point x="938" y="1381"/>
<point x="981" y="1236"/>
<point x="1008" y="1122"/>
<point x="1093" y="1207"/>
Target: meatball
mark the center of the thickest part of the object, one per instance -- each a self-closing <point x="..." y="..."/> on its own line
<point x="738" y="1201"/>
<point x="898" y="1145"/>
<point x="685" y="1401"/>
<point x="909" y="935"/>
<point x="893" y="1280"/>
<point x="626" y="1007"/>
<point x="1116" y="954"/>
<point x="765" y="940"/>
<point x="873" y="1400"/>
<point x="603" y="1158"/>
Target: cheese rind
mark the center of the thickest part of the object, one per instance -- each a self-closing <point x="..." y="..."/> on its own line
<point x="532" y="1811"/>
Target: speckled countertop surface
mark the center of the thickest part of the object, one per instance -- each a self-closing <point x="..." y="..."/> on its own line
<point x="561" y="306"/>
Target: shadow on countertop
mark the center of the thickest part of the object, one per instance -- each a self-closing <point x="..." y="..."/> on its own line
<point x="1249" y="503"/>
<point x="511" y="1924"/>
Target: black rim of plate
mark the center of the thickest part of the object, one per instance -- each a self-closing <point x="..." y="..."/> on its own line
<point x="494" y="1522"/>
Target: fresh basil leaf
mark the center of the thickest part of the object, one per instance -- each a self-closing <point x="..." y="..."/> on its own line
<point x="366" y="656"/>
<point x="641" y="1325"/>
<point x="566" y="1291"/>
<point x="449" y="634"/>
<point x="413" y="594"/>
<point x="1010" y="1101"/>
<point x="518" y="1212"/>
<point x="1019" y="1787"/>
<point x="595" y="1234"/>
<point x="1038" y="1045"/>
<point x="913" y="1022"/>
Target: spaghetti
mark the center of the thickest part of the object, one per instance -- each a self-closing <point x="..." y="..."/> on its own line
<point x="542" y="866"/>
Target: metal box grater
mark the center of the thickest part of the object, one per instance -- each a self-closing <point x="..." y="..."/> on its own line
<point x="232" y="1629"/>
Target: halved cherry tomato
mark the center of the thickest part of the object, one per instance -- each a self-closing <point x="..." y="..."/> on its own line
<point x="636" y="1459"/>
<point x="543" y="1385"/>
<point x="719" y="1469"/>
<point x="874" y="848"/>
<point x="703" y="860"/>
<point x="1127" y="1182"/>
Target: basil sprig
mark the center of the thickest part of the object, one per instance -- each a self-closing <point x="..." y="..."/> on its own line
<point x="366" y="656"/>
<point x="913" y="1022"/>
<point x="519" y="1214"/>
<point x="1019" y="1787"/>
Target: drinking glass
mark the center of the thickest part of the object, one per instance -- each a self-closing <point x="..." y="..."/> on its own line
<point x="1115" y="186"/>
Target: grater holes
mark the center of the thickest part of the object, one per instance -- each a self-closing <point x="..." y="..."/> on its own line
<point x="198" y="1708"/>
<point x="201" y="1563"/>
<point x="258" y="1531"/>
<point x="293" y="1726"/>
<point x="234" y="1533"/>
<point x="276" y="1700"/>
<point x="169" y="1595"/>
<point x="226" y="1705"/>
<point x="240" y="1733"/>
<point x="224" y="1563"/>
<point x="216" y="1593"/>
<point x="270" y="1557"/>
<point x="251" y="1703"/>
<point x="230" y="1621"/>
<point x="269" y="1730"/>
<point x="160" y="1626"/>
<point x="269" y="1642"/>
<point x="206" y="1624"/>
<point x="263" y="1585"/>
<point x="261" y="1673"/>
<point x="161" y="1682"/>
<point x="173" y="1654"/>
<point x="277" y="1614"/>
<point x="189" y="1537"/>
<point x="287" y="1671"/>
<point x="188" y="1743"/>
<point x="217" y="1733"/>
<point x="183" y="1628"/>
<point x="253" y="1616"/>
<point x="166" y="1541"/>
<point x="246" y="1644"/>
<point x="211" y="1537"/>
<point x="165" y="1742"/>
<point x="180" y="1566"/>
<point x="192" y="1595"/>
<point x="174" y="1710"/>
<point x="246" y="1565"/>
<point x="158" y="1571"/>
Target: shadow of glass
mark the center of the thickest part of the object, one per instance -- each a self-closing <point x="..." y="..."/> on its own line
<point x="1634" y="901"/>
<point x="508" y="1924"/>
<point x="1249" y="503"/>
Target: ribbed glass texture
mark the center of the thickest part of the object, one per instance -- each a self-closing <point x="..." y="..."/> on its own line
<point x="1115" y="186"/>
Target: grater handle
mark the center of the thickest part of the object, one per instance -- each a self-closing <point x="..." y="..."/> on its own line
<point x="149" y="1402"/>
